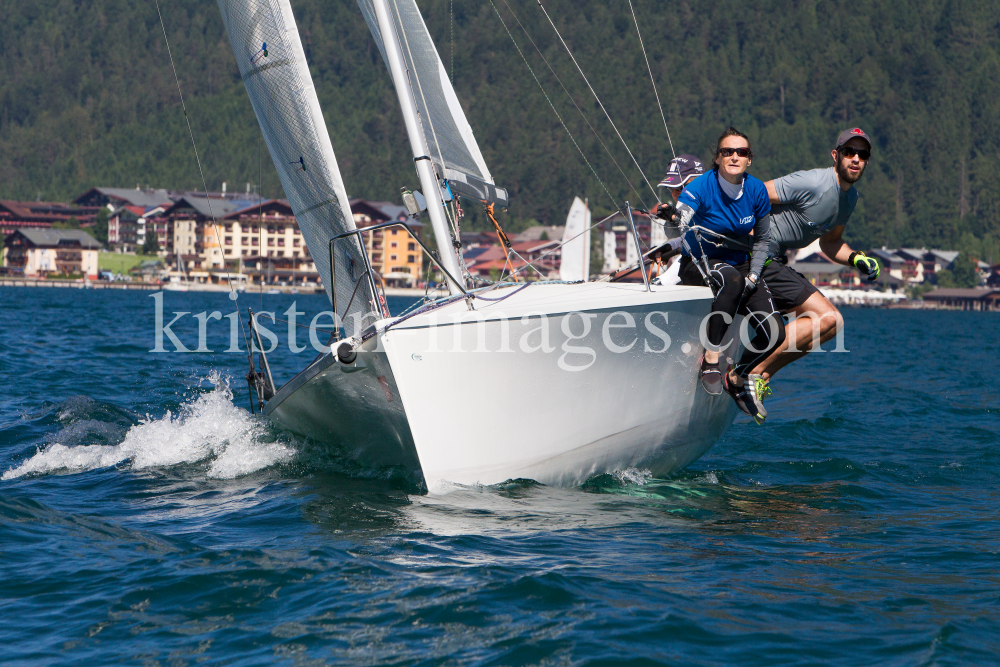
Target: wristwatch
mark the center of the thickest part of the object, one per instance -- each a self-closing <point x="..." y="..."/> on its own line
<point x="753" y="278"/>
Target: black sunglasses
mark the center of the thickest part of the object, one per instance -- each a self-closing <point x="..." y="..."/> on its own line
<point x="727" y="152"/>
<point x="847" y="151"/>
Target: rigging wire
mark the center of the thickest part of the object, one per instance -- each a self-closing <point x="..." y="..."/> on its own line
<point x="596" y="97"/>
<point x="552" y="106"/>
<point x="650" y="69"/>
<point x="583" y="115"/>
<point x="559" y="247"/>
<point x="260" y="227"/>
<point x="234" y="295"/>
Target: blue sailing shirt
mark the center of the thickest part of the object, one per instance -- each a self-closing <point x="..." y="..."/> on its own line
<point x="717" y="211"/>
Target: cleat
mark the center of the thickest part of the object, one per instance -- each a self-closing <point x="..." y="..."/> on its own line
<point x="746" y="399"/>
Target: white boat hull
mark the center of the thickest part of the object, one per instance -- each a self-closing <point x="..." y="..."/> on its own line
<point x="517" y="389"/>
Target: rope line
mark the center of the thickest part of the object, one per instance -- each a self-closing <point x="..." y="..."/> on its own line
<point x="552" y="106"/>
<point x="234" y="295"/>
<point x="599" y="102"/>
<point x="650" y="69"/>
<point x="582" y="114"/>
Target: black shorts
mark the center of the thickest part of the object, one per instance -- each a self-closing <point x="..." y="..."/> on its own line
<point x="789" y="288"/>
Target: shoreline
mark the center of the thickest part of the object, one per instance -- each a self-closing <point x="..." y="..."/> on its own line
<point x="194" y="287"/>
<point x="415" y="292"/>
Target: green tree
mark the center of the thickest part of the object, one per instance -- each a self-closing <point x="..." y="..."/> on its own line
<point x="72" y="223"/>
<point x="925" y="84"/>
<point x="101" y="225"/>
<point x="151" y="245"/>
<point x="963" y="270"/>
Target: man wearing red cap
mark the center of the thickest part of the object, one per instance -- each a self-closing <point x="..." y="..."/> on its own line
<point x="810" y="205"/>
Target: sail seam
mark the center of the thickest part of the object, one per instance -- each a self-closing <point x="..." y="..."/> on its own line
<point x="316" y="206"/>
<point x="264" y="68"/>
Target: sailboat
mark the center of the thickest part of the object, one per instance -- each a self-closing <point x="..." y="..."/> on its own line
<point x="553" y="382"/>
<point x="574" y="265"/>
<point x="182" y="285"/>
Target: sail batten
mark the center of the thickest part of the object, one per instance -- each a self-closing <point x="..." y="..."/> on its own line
<point x="448" y="138"/>
<point x="268" y="50"/>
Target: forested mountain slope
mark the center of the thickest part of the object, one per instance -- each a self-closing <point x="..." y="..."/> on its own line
<point x="87" y="98"/>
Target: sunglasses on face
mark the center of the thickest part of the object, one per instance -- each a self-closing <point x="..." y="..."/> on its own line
<point x="847" y="151"/>
<point x="728" y="152"/>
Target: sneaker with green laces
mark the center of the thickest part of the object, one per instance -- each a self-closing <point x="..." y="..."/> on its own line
<point x="746" y="397"/>
<point x="759" y="386"/>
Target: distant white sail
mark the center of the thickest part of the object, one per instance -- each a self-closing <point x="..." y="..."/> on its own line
<point x="448" y="137"/>
<point x="575" y="263"/>
<point x="269" y="53"/>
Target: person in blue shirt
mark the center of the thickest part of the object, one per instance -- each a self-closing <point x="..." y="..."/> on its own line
<point x="719" y="210"/>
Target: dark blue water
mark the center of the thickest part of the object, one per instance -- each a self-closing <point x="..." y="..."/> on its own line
<point x="146" y="518"/>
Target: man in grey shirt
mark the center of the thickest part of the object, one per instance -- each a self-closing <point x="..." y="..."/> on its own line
<point x="805" y="206"/>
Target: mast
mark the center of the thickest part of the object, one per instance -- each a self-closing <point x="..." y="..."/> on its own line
<point x="422" y="161"/>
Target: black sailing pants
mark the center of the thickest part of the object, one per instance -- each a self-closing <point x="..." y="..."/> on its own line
<point x="759" y="310"/>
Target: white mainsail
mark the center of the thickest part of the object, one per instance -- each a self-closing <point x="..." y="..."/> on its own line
<point x="448" y="137"/>
<point x="273" y="66"/>
<point x="575" y="262"/>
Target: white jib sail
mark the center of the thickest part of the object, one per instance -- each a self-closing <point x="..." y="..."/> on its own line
<point x="448" y="137"/>
<point x="575" y="263"/>
<point x="272" y="62"/>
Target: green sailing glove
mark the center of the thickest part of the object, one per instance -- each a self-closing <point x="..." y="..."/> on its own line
<point x="864" y="264"/>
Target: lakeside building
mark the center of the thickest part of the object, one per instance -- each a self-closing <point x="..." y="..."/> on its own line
<point x="44" y="252"/>
<point x="117" y="197"/>
<point x="128" y="223"/>
<point x="619" y="243"/>
<point x="976" y="298"/>
<point x="490" y="261"/>
<point x="190" y="228"/>
<point x="393" y="253"/>
<point x="42" y="214"/>
<point x="262" y="239"/>
<point x="263" y="242"/>
<point x="915" y="265"/>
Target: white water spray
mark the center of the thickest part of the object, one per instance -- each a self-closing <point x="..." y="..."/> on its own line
<point x="208" y="428"/>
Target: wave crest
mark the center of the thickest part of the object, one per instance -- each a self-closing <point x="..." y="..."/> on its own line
<point x="208" y="427"/>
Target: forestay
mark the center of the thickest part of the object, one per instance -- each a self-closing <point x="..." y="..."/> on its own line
<point x="575" y="259"/>
<point x="448" y="137"/>
<point x="273" y="66"/>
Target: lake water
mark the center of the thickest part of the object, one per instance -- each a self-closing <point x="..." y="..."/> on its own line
<point x="147" y="518"/>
